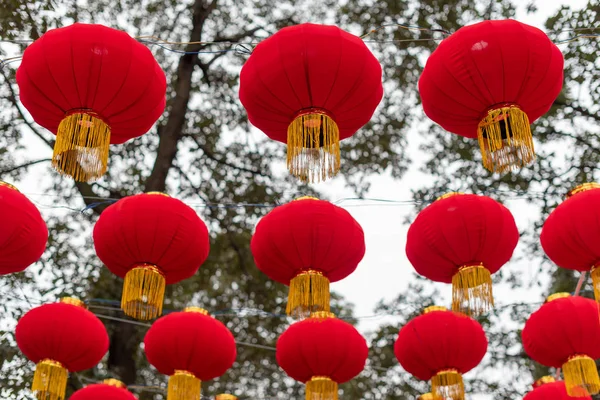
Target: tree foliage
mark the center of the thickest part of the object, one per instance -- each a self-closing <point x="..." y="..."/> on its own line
<point x="204" y="152"/>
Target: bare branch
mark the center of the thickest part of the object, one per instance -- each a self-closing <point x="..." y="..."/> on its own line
<point x="578" y="109"/>
<point x="25" y="165"/>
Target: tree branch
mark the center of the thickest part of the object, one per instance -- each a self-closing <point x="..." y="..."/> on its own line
<point x="25" y="165"/>
<point x="578" y="109"/>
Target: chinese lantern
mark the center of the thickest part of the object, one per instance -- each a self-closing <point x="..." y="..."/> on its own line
<point x="110" y="389"/>
<point x="190" y="347"/>
<point x="564" y="333"/>
<point x="547" y="388"/>
<point x="151" y="240"/>
<point x="490" y="81"/>
<point x="306" y="244"/>
<point x="91" y="86"/>
<point x="322" y="351"/>
<point x="311" y="86"/>
<point x="462" y="239"/>
<point x="60" y="338"/>
<point x="570" y="234"/>
<point x="225" y="397"/>
<point x="441" y="346"/>
<point x="24" y="234"/>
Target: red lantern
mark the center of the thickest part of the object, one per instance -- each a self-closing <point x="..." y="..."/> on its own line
<point x="306" y="244"/>
<point x="91" y="86"/>
<point x="490" y="81"/>
<point x="547" y="388"/>
<point x="151" y="240"/>
<point x="190" y="347"/>
<point x="571" y="233"/>
<point x="564" y="333"/>
<point x="24" y="234"/>
<point x="322" y="352"/>
<point x="110" y="389"/>
<point x="60" y="338"/>
<point x="311" y="86"/>
<point x="463" y="239"/>
<point x="442" y="346"/>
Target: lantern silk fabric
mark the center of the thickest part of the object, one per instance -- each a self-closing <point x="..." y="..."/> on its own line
<point x="552" y="391"/>
<point x="24" y="234"/>
<point x="103" y="391"/>
<point x="110" y="81"/>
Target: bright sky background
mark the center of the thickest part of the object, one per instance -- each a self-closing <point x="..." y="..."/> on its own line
<point x="385" y="270"/>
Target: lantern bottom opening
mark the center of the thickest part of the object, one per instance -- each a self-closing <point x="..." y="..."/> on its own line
<point x="82" y="145"/>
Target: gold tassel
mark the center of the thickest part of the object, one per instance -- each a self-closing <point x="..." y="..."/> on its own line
<point x="309" y="292"/>
<point x="472" y="290"/>
<point x="580" y="373"/>
<point x="426" y="396"/>
<point x="183" y="385"/>
<point x="114" y="383"/>
<point x="313" y="146"/>
<point x="321" y="388"/>
<point x="225" y="397"/>
<point x="50" y="380"/>
<point x="542" y="381"/>
<point x="448" y="385"/>
<point x="82" y="144"/>
<point x="505" y="139"/>
<point x="584" y="187"/>
<point x="595" y="274"/>
<point x="143" y="292"/>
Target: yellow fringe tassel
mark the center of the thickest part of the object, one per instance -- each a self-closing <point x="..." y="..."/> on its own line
<point x="50" y="380"/>
<point x="143" y="292"/>
<point x="580" y="373"/>
<point x="309" y="292"/>
<point x="595" y="274"/>
<point x="472" y="290"/>
<point x="321" y="388"/>
<point x="313" y="152"/>
<point x="448" y="385"/>
<point x="183" y="385"/>
<point x="81" y="148"/>
<point x="505" y="139"/>
<point x="426" y="396"/>
<point x="225" y="397"/>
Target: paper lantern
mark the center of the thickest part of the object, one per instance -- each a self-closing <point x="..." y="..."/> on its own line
<point x="490" y="81"/>
<point x="110" y="389"/>
<point x="190" y="347"/>
<point x="60" y="338"/>
<point x="571" y="234"/>
<point x="91" y="86"/>
<point x="546" y="388"/>
<point x="24" y="234"/>
<point x="306" y="244"/>
<point x="441" y="346"/>
<point x="322" y="352"/>
<point x="151" y="240"/>
<point x="462" y="239"/>
<point x="311" y="86"/>
<point x="564" y="333"/>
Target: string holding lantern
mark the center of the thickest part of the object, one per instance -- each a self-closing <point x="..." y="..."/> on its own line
<point x="571" y="233"/>
<point x="91" y="86"/>
<point x="190" y="347"/>
<point x="441" y="346"/>
<point x="463" y="239"/>
<point x="109" y="389"/>
<point x="306" y="244"/>
<point x="311" y="86"/>
<point x="60" y="338"/>
<point x="323" y="352"/>
<point x="151" y="240"/>
<point x="548" y="388"/>
<point x="563" y="333"/>
<point x="24" y="234"/>
<point x="490" y="81"/>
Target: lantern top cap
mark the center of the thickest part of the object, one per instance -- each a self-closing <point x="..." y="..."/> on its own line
<point x="322" y="315"/>
<point x="584" y="187"/>
<point x="543" y="380"/>
<point x="115" y="383"/>
<point x="426" y="396"/>
<point x="559" y="295"/>
<point x="158" y="194"/>
<point x="449" y="194"/>
<point x="431" y="309"/>
<point x="197" y="310"/>
<point x="8" y="185"/>
<point x="73" y="301"/>
<point x="225" y="396"/>
<point x="306" y="198"/>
